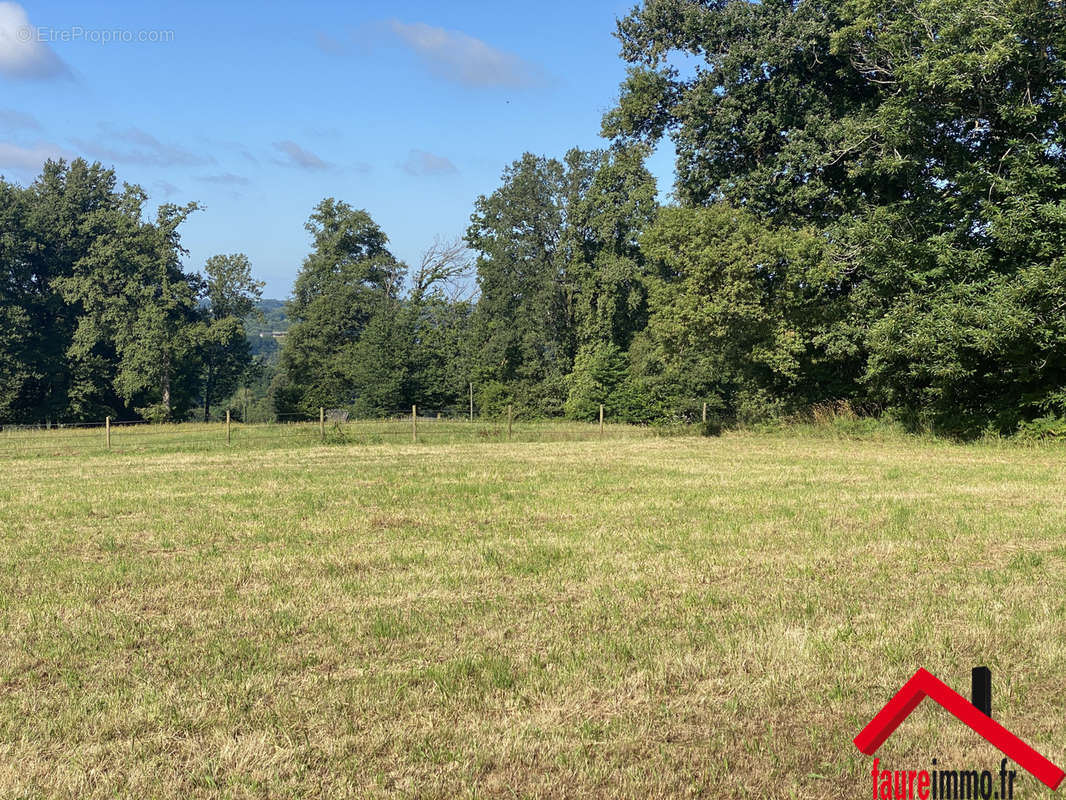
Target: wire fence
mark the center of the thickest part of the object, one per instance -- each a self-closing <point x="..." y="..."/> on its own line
<point x="128" y="436"/>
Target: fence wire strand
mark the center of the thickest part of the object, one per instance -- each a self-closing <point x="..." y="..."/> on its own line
<point x="139" y="435"/>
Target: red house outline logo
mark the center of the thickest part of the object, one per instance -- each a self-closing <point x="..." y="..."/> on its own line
<point x="924" y="684"/>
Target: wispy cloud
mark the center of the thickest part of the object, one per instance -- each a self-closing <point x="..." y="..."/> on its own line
<point x="23" y="54"/>
<point x="330" y="44"/>
<point x="465" y="59"/>
<point x="299" y="157"/>
<point x="135" y="146"/>
<point x="361" y="39"/>
<point x="30" y="159"/>
<point x="225" y="179"/>
<point x="18" y="121"/>
<point x="221" y="148"/>
<point x="320" y="132"/>
<point x="421" y="162"/>
<point x="167" y="188"/>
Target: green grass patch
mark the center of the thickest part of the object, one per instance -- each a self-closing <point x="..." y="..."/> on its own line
<point x="554" y="616"/>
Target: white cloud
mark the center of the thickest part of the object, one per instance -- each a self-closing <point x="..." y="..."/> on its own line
<point x="135" y="146"/>
<point x="225" y="179"/>
<point x="17" y="120"/>
<point x="300" y="157"/>
<point x="421" y="162"/>
<point x="22" y="52"/>
<point x="30" y="159"/>
<point x="465" y="59"/>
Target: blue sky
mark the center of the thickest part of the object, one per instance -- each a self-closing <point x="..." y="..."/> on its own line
<point x="409" y="110"/>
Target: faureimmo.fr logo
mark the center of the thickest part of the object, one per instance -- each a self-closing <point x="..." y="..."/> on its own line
<point x="977" y="715"/>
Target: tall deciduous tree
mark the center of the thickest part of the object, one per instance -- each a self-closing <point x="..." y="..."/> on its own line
<point x="730" y="319"/>
<point x="231" y="294"/>
<point x="523" y="321"/>
<point x="349" y="281"/>
<point x="438" y="310"/>
<point x="611" y="200"/>
<point x="559" y="268"/>
<point x="46" y="229"/>
<point x="923" y="141"/>
<point x="139" y="310"/>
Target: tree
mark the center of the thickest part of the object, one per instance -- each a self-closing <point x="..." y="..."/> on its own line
<point x="348" y="279"/>
<point x="139" y="311"/>
<point x="99" y="312"/>
<point x="559" y="269"/>
<point x="98" y="315"/>
<point x="610" y="202"/>
<point x="730" y="324"/>
<point x="16" y="280"/>
<point x="522" y="324"/>
<point x="46" y="228"/>
<point x="438" y="311"/>
<point x="601" y="376"/>
<point x="923" y="142"/>
<point x="231" y="294"/>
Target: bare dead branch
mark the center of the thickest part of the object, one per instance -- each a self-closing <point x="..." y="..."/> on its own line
<point x="445" y="266"/>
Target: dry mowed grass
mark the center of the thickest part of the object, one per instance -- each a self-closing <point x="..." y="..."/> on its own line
<point x="635" y="617"/>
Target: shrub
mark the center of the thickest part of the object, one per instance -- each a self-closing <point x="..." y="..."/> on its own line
<point x="601" y="375"/>
<point x="712" y="427"/>
<point x="492" y="398"/>
<point x="1048" y="427"/>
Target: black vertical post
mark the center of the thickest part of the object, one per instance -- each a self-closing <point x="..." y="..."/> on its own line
<point x="981" y="685"/>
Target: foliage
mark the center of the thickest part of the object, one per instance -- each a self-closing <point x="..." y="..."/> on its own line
<point x="1046" y="427"/>
<point x="99" y="315"/>
<point x="870" y="209"/>
<point x="921" y="143"/>
<point x="730" y="322"/>
<point x="601" y="377"/>
<point x="559" y="269"/>
<point x="492" y="399"/>
<point x="712" y="426"/>
<point x="348" y="281"/>
<point x="45" y="230"/>
<point x="521" y="320"/>
<point x="232" y="294"/>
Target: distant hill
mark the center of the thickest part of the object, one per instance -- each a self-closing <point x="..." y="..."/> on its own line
<point x="274" y="319"/>
<point x="265" y="332"/>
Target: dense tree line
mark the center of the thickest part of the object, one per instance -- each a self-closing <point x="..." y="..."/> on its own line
<point x="561" y="291"/>
<point x="870" y="207"/>
<point x="872" y="202"/>
<point x="97" y="315"/>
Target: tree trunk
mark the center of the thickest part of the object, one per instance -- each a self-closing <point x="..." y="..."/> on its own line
<point x="207" y="393"/>
<point x="166" y="385"/>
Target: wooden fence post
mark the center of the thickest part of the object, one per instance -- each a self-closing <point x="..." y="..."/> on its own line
<point x="228" y="438"/>
<point x="705" y="412"/>
<point x="510" y="419"/>
<point x="414" y="423"/>
<point x="601" y="419"/>
<point x="322" y="423"/>
<point x="471" y="402"/>
<point x="107" y="430"/>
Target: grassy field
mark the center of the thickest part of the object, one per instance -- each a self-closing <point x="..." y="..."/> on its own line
<point x="196" y="437"/>
<point x="635" y="617"/>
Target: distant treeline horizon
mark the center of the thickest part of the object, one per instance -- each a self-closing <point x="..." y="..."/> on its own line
<point x="869" y="208"/>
